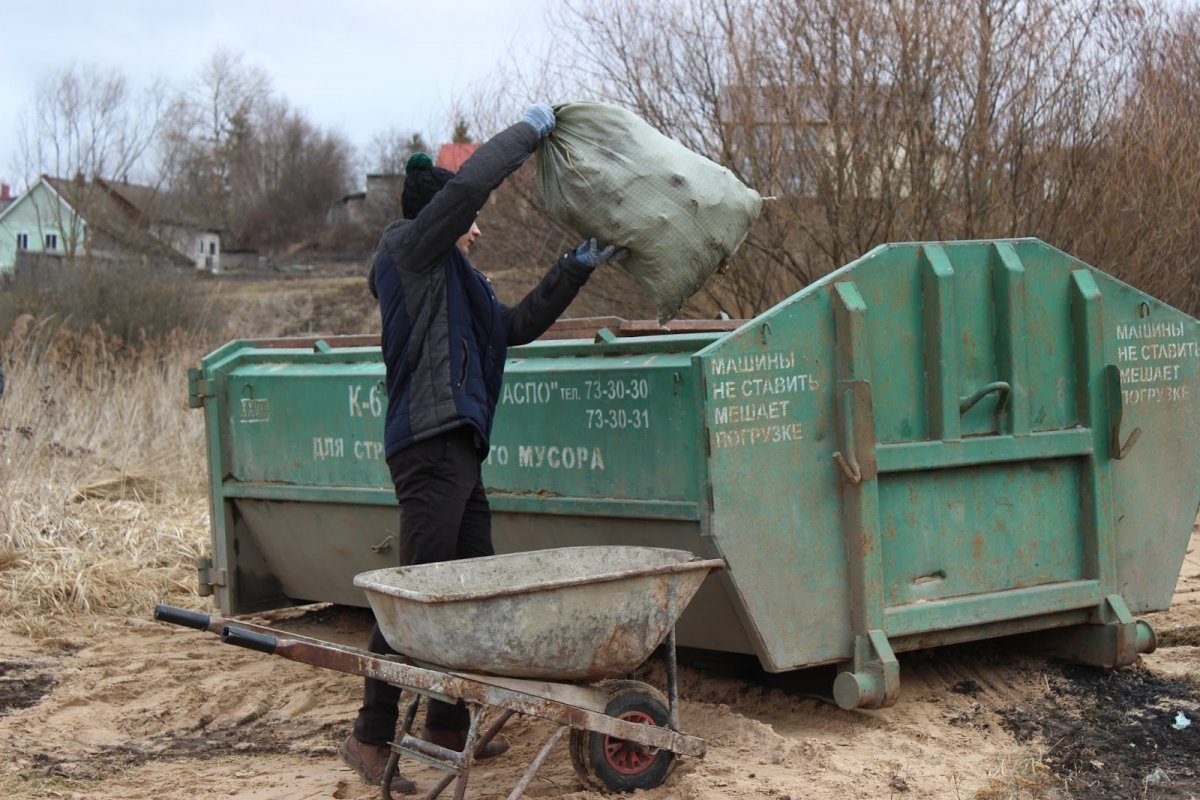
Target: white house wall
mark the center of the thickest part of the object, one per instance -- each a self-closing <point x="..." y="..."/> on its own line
<point x="206" y="252"/>
<point x="36" y="213"/>
<point x="203" y="249"/>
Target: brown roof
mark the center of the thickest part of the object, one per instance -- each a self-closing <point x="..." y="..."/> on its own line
<point x="122" y="211"/>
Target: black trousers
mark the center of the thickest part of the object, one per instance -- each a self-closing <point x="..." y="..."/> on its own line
<point x="444" y="515"/>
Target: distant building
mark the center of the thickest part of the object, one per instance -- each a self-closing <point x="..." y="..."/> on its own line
<point x="382" y="199"/>
<point x="380" y="203"/>
<point x="451" y="156"/>
<point x="73" y="218"/>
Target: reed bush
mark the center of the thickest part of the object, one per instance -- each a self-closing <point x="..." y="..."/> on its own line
<point x="103" y="502"/>
<point x="103" y="483"/>
<point x="132" y="302"/>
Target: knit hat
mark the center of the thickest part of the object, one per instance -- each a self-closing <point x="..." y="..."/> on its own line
<point x="422" y="180"/>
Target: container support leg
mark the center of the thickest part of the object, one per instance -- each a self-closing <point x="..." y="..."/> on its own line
<point x="1112" y="639"/>
<point x="872" y="678"/>
<point x="874" y="682"/>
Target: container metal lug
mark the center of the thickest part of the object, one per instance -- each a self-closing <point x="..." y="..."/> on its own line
<point x="207" y="577"/>
<point x="198" y="388"/>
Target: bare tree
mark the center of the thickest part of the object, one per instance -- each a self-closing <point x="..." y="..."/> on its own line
<point x="250" y="163"/>
<point x="85" y="123"/>
<point x="207" y="133"/>
<point x="289" y="177"/>
<point x="388" y="150"/>
<point x="872" y="121"/>
<point x="1142" y="221"/>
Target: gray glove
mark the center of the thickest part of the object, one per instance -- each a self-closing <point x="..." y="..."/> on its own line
<point x="541" y="117"/>
<point x="591" y="255"/>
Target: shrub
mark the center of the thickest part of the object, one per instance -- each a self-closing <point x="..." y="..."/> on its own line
<point x="131" y="301"/>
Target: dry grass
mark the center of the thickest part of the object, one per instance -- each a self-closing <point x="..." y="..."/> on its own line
<point x="103" y="501"/>
<point x="1025" y="777"/>
<point x="296" y="307"/>
<point x="103" y="484"/>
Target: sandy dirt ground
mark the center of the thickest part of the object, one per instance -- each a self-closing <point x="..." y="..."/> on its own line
<point x="118" y="709"/>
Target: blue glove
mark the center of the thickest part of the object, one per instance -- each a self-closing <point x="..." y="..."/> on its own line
<point x="591" y="255"/>
<point x="541" y="117"/>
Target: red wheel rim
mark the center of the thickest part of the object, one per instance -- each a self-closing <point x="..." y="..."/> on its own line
<point x="630" y="758"/>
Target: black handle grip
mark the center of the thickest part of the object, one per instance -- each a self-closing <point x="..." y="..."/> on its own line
<point x="262" y="642"/>
<point x="178" y="616"/>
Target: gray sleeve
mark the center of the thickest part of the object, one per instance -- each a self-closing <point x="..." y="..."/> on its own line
<point x="421" y="245"/>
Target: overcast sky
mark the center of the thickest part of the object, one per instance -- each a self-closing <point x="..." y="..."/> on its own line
<point x="354" y="66"/>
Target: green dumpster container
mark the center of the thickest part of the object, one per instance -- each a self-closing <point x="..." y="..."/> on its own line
<point x="938" y="443"/>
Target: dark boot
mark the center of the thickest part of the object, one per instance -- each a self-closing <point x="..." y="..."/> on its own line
<point x="370" y="762"/>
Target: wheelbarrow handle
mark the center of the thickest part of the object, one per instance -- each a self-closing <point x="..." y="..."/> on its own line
<point x="262" y="642"/>
<point x="179" y="616"/>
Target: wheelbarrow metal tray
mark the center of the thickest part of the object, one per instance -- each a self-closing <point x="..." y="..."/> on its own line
<point x="570" y="613"/>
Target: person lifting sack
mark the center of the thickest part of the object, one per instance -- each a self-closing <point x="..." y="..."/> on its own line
<point x="444" y="340"/>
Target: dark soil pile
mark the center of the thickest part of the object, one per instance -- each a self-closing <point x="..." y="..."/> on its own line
<point x="23" y="683"/>
<point x="1115" y="734"/>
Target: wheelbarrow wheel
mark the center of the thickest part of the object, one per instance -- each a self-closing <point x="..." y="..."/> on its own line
<point x="618" y="765"/>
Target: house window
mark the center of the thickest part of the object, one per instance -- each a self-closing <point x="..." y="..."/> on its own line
<point x="212" y="248"/>
<point x="22" y="241"/>
<point x="201" y="247"/>
<point x="51" y="241"/>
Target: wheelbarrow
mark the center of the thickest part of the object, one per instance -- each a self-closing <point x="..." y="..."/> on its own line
<point x="548" y="634"/>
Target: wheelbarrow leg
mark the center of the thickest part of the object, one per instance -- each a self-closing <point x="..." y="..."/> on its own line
<point x="527" y="778"/>
<point x="410" y="715"/>
<point x="457" y="764"/>
<point x="475" y="743"/>
<point x="389" y="771"/>
<point x="672" y="680"/>
<point x="468" y="753"/>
